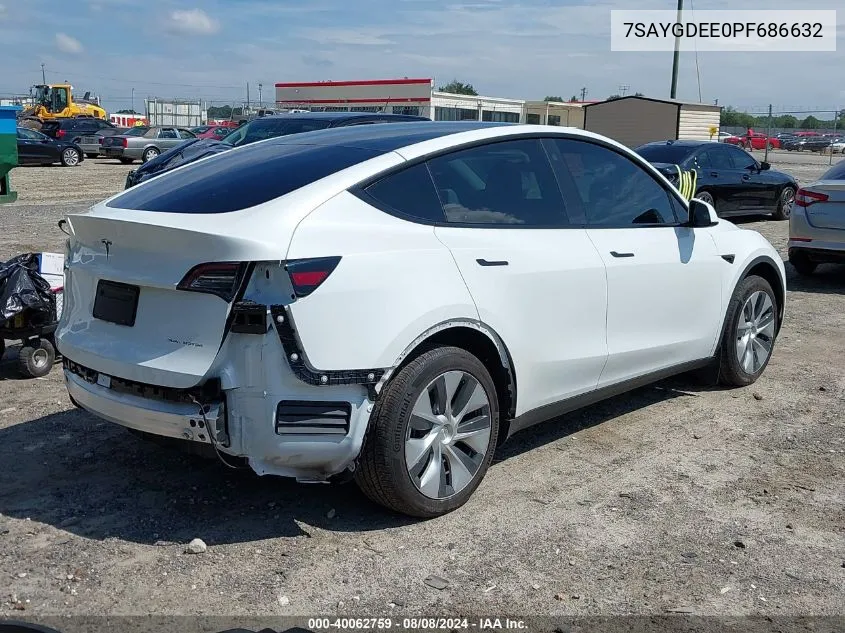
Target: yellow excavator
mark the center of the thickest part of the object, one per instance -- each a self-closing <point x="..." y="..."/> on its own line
<point x="55" y="101"/>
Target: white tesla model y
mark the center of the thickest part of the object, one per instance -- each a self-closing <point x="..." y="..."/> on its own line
<point x="391" y="302"/>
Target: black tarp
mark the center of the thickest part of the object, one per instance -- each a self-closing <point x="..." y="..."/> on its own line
<point x="23" y="288"/>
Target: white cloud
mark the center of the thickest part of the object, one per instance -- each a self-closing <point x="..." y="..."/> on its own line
<point x="347" y="37"/>
<point x="67" y="44"/>
<point x="192" y="22"/>
<point x="2" y="10"/>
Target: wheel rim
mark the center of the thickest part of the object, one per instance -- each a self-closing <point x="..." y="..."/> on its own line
<point x="755" y="332"/>
<point x="787" y="199"/>
<point x="71" y="157"/>
<point x="150" y="154"/>
<point x="705" y="197"/>
<point x="448" y="434"/>
<point x="40" y="358"/>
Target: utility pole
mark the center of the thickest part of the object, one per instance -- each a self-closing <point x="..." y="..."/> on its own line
<point x="247" y="96"/>
<point x="260" y="100"/>
<point x="583" y="94"/>
<point x="623" y="89"/>
<point x="133" y="100"/>
<point x="43" y="75"/>
<point x="676" y="57"/>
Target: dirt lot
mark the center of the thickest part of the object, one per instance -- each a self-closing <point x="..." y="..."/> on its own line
<point x="671" y="498"/>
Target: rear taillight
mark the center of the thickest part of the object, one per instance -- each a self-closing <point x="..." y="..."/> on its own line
<point x="306" y="275"/>
<point x="60" y="133"/>
<point x="124" y="142"/>
<point x="217" y="278"/>
<point x="804" y="197"/>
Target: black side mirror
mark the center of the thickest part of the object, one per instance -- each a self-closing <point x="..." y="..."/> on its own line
<point x="699" y="214"/>
<point x="764" y="166"/>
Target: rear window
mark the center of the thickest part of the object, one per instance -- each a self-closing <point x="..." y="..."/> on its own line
<point x="240" y="179"/>
<point x="837" y="172"/>
<point x="261" y="129"/>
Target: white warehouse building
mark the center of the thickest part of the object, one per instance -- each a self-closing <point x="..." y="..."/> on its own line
<point x="418" y="97"/>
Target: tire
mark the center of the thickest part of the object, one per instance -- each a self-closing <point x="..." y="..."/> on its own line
<point x="2" y="348"/>
<point x="741" y="373"/>
<point x="785" y="202"/>
<point x="70" y="157"/>
<point x="36" y="360"/>
<point x="126" y="161"/>
<point x="706" y="196"/>
<point x="383" y="474"/>
<point x="149" y="154"/>
<point x="771" y="146"/>
<point x="802" y="264"/>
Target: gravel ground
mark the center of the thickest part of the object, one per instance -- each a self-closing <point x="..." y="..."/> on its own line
<point x="671" y="498"/>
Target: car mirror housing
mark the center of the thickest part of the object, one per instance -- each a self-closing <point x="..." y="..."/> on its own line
<point x="765" y="166"/>
<point x="701" y="214"/>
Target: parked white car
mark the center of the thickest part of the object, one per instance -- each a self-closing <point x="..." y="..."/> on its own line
<point x="394" y="301"/>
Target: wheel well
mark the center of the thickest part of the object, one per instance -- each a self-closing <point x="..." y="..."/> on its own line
<point x="484" y="349"/>
<point x="769" y="273"/>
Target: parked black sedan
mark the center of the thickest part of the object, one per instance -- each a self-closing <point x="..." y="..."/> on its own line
<point x="729" y="178"/>
<point x="258" y="129"/>
<point x="35" y="148"/>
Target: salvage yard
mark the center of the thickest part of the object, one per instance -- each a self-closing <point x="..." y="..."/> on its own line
<point x="674" y="498"/>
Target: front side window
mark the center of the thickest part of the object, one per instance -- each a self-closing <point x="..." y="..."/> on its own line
<point x="614" y="190"/>
<point x="505" y="183"/>
<point x="741" y="158"/>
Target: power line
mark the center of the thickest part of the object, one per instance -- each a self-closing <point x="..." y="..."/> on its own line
<point x="143" y="83"/>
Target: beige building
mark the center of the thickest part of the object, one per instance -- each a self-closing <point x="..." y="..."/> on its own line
<point x="636" y="120"/>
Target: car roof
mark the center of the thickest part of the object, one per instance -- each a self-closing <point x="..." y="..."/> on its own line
<point x="677" y="143"/>
<point x="336" y="116"/>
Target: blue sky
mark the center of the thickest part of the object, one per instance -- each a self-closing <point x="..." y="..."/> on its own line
<point x="210" y="49"/>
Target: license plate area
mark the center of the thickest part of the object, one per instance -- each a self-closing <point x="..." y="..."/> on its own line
<point x="116" y="302"/>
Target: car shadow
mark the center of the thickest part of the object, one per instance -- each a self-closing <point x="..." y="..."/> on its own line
<point x="93" y="479"/>
<point x="827" y="279"/>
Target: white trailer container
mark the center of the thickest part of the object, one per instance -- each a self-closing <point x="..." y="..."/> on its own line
<point x="175" y="112"/>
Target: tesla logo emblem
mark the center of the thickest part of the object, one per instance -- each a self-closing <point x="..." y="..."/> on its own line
<point x="107" y="244"/>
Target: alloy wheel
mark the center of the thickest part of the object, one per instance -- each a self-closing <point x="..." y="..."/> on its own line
<point x="755" y="332"/>
<point x="40" y="358"/>
<point x="787" y="199"/>
<point x="448" y="434"/>
<point x="71" y="157"/>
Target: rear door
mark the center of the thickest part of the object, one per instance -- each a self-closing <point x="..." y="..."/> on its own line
<point x="533" y="273"/>
<point x="664" y="280"/>
<point x="168" y="137"/>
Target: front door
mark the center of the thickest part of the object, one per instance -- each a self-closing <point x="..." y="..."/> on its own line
<point x="663" y="279"/>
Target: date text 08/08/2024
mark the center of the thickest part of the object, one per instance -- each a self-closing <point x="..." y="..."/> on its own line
<point x="417" y="623"/>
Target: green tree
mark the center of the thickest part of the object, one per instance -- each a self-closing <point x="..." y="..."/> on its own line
<point x="127" y="112"/>
<point x="458" y="88"/>
<point x="810" y="123"/>
<point x="573" y="99"/>
<point x="558" y="99"/>
<point x="639" y="94"/>
<point x="614" y="97"/>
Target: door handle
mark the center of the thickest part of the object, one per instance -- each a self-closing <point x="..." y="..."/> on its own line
<point x="746" y="177"/>
<point x="615" y="254"/>
<point x="715" y="174"/>
<point x="484" y="262"/>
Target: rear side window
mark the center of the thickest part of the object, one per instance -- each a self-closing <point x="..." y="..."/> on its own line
<point x="409" y="192"/>
<point x="239" y="179"/>
<point x="837" y="172"/>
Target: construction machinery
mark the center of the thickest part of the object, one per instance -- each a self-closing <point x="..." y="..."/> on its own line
<point x="54" y="101"/>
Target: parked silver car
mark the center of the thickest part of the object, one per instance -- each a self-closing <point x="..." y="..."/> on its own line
<point x="817" y="222"/>
<point x="144" y="146"/>
<point x="91" y="143"/>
